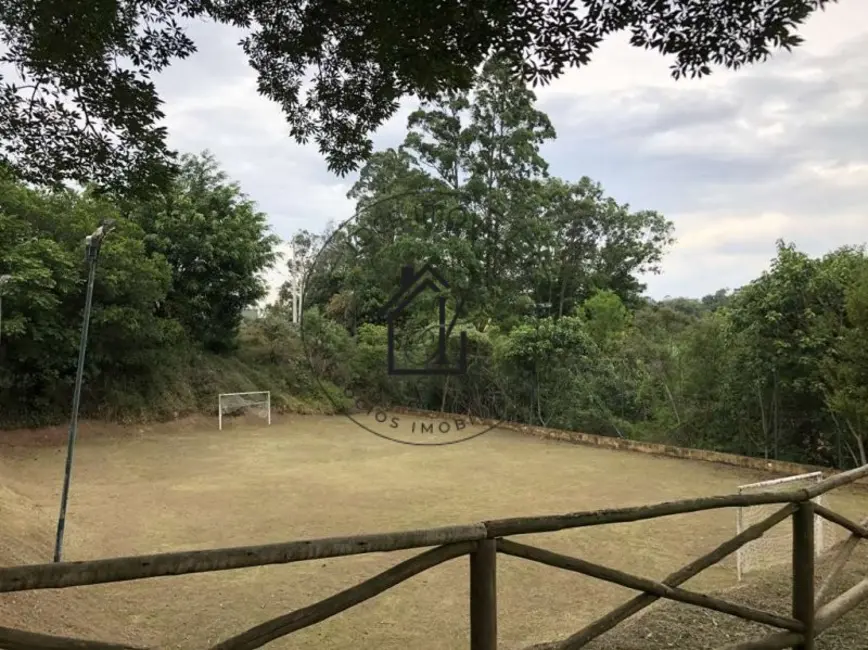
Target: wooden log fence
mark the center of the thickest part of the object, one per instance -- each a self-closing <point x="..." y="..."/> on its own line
<point x="811" y="614"/>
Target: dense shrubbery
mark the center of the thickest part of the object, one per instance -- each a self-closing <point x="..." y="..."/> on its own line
<point x="776" y="369"/>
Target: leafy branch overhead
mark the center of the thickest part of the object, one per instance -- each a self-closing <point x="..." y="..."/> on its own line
<point x="77" y="100"/>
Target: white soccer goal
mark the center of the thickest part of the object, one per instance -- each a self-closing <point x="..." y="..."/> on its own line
<point x="775" y="546"/>
<point x="257" y="402"/>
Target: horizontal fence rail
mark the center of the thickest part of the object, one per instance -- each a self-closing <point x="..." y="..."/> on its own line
<point x="75" y="574"/>
<point x="812" y="613"/>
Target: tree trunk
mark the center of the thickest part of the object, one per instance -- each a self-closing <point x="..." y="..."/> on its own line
<point x="562" y="297"/>
<point x="764" y="421"/>
<point x="860" y="444"/>
<point x="445" y="392"/>
<point x="775" y="419"/>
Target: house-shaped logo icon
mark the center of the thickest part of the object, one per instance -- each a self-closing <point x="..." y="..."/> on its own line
<point x="414" y="284"/>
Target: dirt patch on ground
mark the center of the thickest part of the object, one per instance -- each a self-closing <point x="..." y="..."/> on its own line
<point x="186" y="485"/>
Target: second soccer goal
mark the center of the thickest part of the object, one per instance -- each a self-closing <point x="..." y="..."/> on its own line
<point x="234" y="404"/>
<point x="775" y="546"/>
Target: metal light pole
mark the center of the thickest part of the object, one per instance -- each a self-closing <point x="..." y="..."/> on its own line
<point x="3" y="280"/>
<point x="92" y="246"/>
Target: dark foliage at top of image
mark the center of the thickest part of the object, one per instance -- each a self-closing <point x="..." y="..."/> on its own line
<point x="77" y="100"/>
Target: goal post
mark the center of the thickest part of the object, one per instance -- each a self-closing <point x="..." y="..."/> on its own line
<point x="258" y="402"/>
<point x="775" y="545"/>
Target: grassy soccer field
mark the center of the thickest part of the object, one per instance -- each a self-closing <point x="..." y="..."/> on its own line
<point x="186" y="485"/>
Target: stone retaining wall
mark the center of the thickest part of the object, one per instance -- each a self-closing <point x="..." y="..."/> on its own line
<point x="623" y="444"/>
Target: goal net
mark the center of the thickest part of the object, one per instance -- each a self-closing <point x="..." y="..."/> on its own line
<point x="776" y="544"/>
<point x="233" y="404"/>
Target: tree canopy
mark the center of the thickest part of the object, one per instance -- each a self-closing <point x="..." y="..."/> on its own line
<point x="174" y="275"/>
<point x="549" y="273"/>
<point x="549" y="276"/>
<point x="469" y="191"/>
<point x="81" y="104"/>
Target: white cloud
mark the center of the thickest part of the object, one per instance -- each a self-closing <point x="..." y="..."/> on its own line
<point x="736" y="160"/>
<point x="733" y="249"/>
<point x="836" y="174"/>
<point x="730" y="229"/>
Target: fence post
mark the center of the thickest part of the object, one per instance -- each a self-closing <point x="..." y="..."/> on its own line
<point x="803" y="571"/>
<point x="483" y="596"/>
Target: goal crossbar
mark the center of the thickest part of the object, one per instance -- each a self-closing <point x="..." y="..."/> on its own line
<point x="798" y="478"/>
<point x="238" y="401"/>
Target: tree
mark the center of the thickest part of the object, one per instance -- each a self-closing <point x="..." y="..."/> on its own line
<point x="607" y="320"/>
<point x="846" y="368"/>
<point x="786" y="327"/>
<point x="84" y="107"/>
<point x="556" y="375"/>
<point x="595" y="244"/>
<point x="217" y="244"/>
<point x="716" y="300"/>
<point x="469" y="191"/>
<point x="303" y="251"/>
<point x="42" y="249"/>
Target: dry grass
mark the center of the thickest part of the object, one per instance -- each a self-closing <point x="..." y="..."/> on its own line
<point x="187" y="485"/>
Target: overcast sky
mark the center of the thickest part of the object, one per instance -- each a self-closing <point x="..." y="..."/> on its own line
<point x="736" y="160"/>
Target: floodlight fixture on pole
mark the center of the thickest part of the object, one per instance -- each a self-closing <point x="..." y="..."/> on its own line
<point x="4" y="280"/>
<point x="92" y="243"/>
